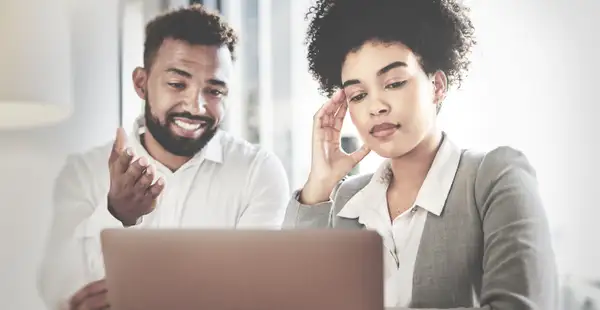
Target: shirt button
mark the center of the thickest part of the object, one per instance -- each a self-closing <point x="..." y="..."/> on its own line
<point x="413" y="210"/>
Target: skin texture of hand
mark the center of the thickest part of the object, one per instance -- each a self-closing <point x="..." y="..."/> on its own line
<point x="329" y="162"/>
<point x="91" y="297"/>
<point x="131" y="194"/>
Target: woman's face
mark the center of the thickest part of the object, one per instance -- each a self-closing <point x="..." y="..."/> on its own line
<point x="391" y="100"/>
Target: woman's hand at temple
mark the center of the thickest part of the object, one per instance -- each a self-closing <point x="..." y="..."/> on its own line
<point x="330" y="164"/>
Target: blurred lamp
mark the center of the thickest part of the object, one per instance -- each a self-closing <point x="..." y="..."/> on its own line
<point x="35" y="63"/>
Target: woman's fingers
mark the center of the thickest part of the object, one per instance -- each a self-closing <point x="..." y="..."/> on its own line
<point x="327" y="124"/>
<point x="360" y="154"/>
<point x="339" y="116"/>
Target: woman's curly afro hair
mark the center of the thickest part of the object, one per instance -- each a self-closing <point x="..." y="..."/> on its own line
<point x="439" y="32"/>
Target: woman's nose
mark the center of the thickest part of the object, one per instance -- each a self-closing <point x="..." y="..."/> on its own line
<point x="379" y="108"/>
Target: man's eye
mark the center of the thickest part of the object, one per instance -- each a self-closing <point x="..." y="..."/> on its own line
<point x="216" y="92"/>
<point x="358" y="97"/>
<point x="177" y="85"/>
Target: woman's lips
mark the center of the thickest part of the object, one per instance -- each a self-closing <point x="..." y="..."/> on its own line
<point x="384" y="130"/>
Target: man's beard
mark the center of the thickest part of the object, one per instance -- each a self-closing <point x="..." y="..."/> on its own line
<point x="174" y="144"/>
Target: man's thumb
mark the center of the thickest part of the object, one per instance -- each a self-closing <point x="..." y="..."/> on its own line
<point x="119" y="144"/>
<point x="120" y="140"/>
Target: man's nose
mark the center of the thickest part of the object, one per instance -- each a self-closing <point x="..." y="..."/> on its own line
<point x="197" y="104"/>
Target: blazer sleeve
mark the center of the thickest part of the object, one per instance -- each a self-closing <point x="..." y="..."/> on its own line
<point x="519" y="267"/>
<point x="316" y="216"/>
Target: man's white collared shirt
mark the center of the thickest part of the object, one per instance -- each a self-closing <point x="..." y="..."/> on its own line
<point x="402" y="236"/>
<point x="230" y="184"/>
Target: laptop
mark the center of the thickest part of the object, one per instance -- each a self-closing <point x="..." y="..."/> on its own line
<point x="159" y="269"/>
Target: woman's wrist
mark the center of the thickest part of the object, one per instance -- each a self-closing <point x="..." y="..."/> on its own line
<point x="315" y="192"/>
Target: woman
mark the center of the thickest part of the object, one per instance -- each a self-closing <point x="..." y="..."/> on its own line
<point x="460" y="228"/>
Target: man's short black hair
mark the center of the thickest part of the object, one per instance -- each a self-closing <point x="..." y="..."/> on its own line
<point x="193" y="24"/>
<point x="439" y="32"/>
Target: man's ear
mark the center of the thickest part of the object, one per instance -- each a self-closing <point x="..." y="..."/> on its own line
<point x="140" y="81"/>
<point x="440" y="88"/>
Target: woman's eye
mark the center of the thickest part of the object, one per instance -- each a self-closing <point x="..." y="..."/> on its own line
<point x="358" y="97"/>
<point x="395" y="85"/>
<point x="177" y="85"/>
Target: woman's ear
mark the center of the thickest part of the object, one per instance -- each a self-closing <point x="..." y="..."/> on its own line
<point x="440" y="88"/>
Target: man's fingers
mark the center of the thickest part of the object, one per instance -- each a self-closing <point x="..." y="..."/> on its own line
<point x="150" y="197"/>
<point x="156" y="188"/>
<point x="95" y="302"/>
<point x="145" y="180"/>
<point x="123" y="161"/>
<point x="90" y="289"/>
<point x="135" y="170"/>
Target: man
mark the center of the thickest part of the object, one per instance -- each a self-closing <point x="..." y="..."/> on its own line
<point x="176" y="169"/>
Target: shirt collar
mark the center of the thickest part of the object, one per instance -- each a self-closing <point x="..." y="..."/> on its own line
<point x="432" y="195"/>
<point x="436" y="187"/>
<point x="213" y="151"/>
